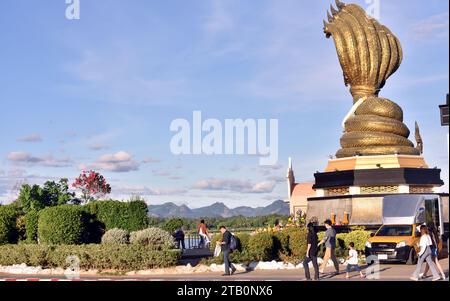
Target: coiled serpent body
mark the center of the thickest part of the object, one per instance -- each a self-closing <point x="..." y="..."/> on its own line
<point x="377" y="128"/>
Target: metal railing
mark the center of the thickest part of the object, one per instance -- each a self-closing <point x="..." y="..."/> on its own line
<point x="192" y="241"/>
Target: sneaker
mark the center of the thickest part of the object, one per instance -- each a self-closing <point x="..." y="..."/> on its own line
<point x="414" y="278"/>
<point x="443" y="277"/>
<point x="421" y="275"/>
<point x="436" y="279"/>
<point x="233" y="270"/>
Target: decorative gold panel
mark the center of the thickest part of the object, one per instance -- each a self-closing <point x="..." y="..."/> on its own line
<point x="420" y="189"/>
<point x="379" y="189"/>
<point x="337" y="191"/>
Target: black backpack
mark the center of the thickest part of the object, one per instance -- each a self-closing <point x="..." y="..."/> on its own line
<point x="234" y="243"/>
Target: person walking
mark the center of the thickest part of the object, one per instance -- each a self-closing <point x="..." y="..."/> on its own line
<point x="225" y="246"/>
<point x="353" y="261"/>
<point x="330" y="244"/>
<point x="202" y="230"/>
<point x="311" y="252"/>
<point x="434" y="252"/>
<point x="179" y="238"/>
<point x="425" y="255"/>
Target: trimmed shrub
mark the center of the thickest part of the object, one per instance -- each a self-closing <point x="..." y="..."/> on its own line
<point x="292" y="244"/>
<point x="31" y="226"/>
<point x="359" y="237"/>
<point x="243" y="255"/>
<point x="297" y="242"/>
<point x="130" y="216"/>
<point x="8" y="220"/>
<point x="63" y="224"/>
<point x="101" y="257"/>
<point x="116" y="236"/>
<point x="154" y="238"/>
<point x="262" y="246"/>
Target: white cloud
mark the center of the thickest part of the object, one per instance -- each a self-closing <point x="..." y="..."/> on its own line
<point x="431" y="28"/>
<point x="118" y="162"/>
<point x="23" y="157"/>
<point x="26" y="158"/>
<point x="31" y="138"/>
<point x="235" y="185"/>
<point x="143" y="190"/>
<point x="12" y="180"/>
<point x="97" y="146"/>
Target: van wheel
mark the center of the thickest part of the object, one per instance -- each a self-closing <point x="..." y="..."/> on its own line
<point x="412" y="258"/>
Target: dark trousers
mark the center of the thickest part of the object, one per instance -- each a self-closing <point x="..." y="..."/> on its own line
<point x="180" y="243"/>
<point x="226" y="260"/>
<point x="353" y="267"/>
<point x="201" y="243"/>
<point x="306" y="262"/>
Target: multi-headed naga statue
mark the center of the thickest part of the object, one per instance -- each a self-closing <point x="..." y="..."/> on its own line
<point x="369" y="53"/>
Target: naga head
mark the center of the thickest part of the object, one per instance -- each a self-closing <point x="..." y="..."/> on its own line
<point x="368" y="52"/>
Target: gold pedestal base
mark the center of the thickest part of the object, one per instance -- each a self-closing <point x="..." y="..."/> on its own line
<point x="373" y="162"/>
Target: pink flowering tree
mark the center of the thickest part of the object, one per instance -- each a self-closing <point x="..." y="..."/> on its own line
<point x="92" y="185"/>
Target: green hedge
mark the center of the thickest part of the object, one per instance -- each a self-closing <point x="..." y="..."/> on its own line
<point x="263" y="246"/>
<point x="101" y="257"/>
<point x="31" y="226"/>
<point x="292" y="244"/>
<point x="288" y="245"/>
<point x="8" y="219"/>
<point x="154" y="238"/>
<point x="130" y="216"/>
<point x="64" y="224"/>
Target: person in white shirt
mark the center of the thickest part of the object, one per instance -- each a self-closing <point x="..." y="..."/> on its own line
<point x="434" y="252"/>
<point x="425" y="255"/>
<point x="352" y="261"/>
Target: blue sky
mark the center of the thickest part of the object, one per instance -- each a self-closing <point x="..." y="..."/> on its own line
<point x="102" y="91"/>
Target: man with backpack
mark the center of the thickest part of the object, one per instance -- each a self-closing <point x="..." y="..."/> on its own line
<point x="228" y="245"/>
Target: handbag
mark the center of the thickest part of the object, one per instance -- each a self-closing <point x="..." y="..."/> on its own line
<point x="217" y="251"/>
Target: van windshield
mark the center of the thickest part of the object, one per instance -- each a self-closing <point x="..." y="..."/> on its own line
<point x="395" y="231"/>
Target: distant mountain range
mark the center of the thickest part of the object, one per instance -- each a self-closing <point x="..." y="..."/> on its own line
<point x="216" y="210"/>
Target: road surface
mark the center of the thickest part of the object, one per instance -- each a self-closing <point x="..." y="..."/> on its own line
<point x="388" y="272"/>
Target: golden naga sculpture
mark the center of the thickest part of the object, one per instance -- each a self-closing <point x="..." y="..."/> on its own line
<point x="369" y="53"/>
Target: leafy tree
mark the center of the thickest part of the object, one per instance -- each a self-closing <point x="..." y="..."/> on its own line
<point x="31" y="198"/>
<point x="51" y="194"/>
<point x="57" y="193"/>
<point x="173" y="224"/>
<point x="92" y="184"/>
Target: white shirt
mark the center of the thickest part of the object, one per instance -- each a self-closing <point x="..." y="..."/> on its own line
<point x="425" y="241"/>
<point x="353" y="257"/>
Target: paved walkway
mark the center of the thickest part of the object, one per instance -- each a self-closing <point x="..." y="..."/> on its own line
<point x="388" y="272"/>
